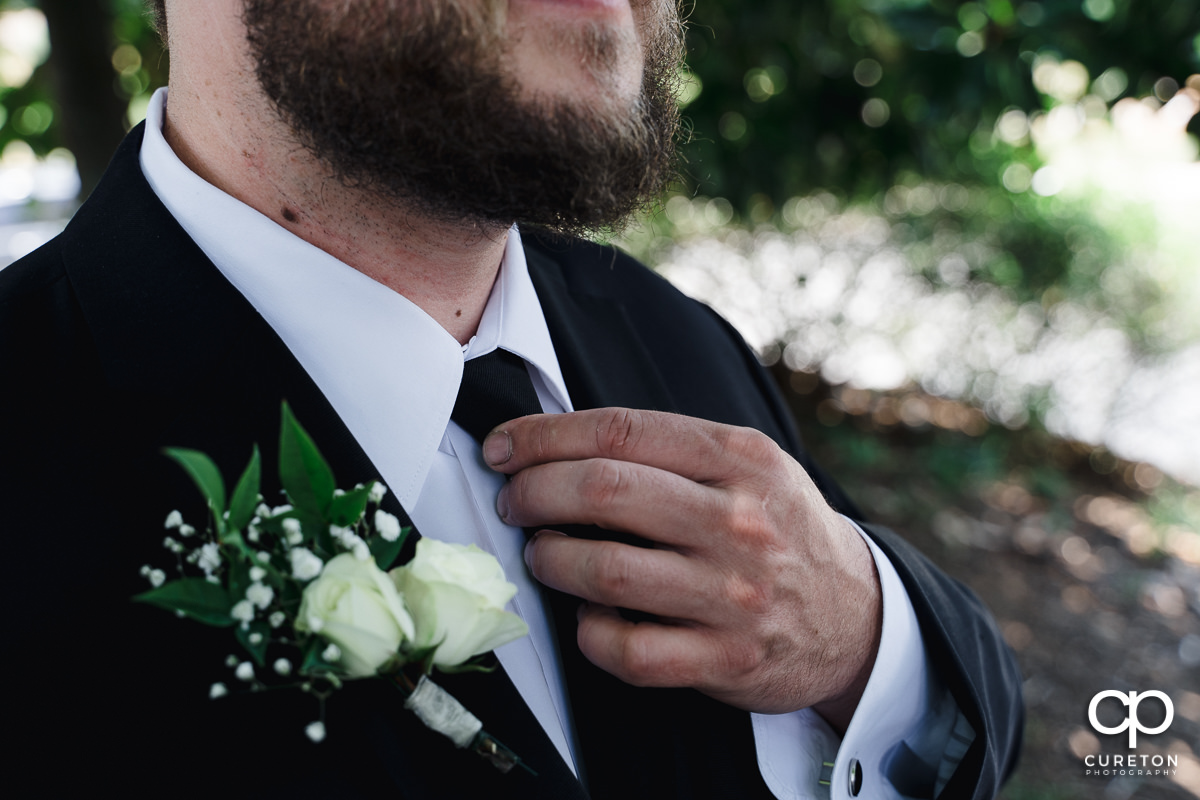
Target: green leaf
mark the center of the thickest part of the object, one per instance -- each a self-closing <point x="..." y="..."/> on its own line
<point x="313" y="664"/>
<point x="257" y="651"/>
<point x="305" y="474"/>
<point x="316" y="532"/>
<point x="348" y="508"/>
<point x="234" y="539"/>
<point x="468" y="666"/>
<point x="385" y="552"/>
<point x="245" y="494"/>
<point x="197" y="598"/>
<point x="239" y="578"/>
<point x="206" y="476"/>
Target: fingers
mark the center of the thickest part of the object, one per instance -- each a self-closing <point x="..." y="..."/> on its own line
<point x="654" y="654"/>
<point x="616" y="495"/>
<point x="703" y="451"/>
<point x="660" y="582"/>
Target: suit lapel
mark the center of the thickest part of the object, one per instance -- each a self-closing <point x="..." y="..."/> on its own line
<point x="176" y="339"/>
<point x="603" y="360"/>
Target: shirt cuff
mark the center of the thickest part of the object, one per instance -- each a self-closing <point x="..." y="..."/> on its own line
<point x="898" y="736"/>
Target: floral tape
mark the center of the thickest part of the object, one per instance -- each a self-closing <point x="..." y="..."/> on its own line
<point x="441" y="712"/>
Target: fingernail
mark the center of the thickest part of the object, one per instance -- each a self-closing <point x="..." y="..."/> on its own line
<point x="497" y="448"/>
<point x="528" y="552"/>
<point x="502" y="503"/>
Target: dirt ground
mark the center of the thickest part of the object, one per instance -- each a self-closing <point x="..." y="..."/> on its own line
<point x="1074" y="550"/>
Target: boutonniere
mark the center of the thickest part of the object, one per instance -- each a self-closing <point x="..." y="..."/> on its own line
<point x="302" y="588"/>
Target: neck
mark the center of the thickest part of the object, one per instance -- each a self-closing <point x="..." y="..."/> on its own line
<point x="225" y="130"/>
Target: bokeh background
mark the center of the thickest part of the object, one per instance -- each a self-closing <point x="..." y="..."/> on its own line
<point x="964" y="236"/>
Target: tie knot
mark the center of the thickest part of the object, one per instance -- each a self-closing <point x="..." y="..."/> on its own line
<point x="495" y="388"/>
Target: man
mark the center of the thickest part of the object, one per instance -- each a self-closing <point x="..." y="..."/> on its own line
<point x="320" y="211"/>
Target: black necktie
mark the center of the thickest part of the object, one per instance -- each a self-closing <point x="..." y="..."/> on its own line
<point x="495" y="388"/>
<point x="634" y="742"/>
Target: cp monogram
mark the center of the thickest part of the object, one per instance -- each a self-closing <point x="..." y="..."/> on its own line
<point x="1131" y="721"/>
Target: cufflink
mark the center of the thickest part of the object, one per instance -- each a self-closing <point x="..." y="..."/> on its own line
<point x="855" y="778"/>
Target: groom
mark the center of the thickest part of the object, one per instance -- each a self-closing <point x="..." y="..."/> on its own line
<point x="322" y="211"/>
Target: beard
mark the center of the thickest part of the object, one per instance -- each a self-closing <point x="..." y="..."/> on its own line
<point x="411" y="101"/>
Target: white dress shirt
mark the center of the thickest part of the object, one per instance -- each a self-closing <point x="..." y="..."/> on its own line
<point x="392" y="374"/>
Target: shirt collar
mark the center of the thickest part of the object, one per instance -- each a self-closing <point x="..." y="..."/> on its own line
<point x="513" y="320"/>
<point x="389" y="370"/>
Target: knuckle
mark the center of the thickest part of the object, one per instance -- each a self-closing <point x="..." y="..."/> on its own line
<point x="636" y="662"/>
<point x="612" y="575"/>
<point x="754" y="447"/>
<point x="620" y="431"/>
<point x="603" y="483"/>
<point x="750" y="526"/>
<point x="742" y="657"/>
<point x="749" y="596"/>
<point x="543" y="437"/>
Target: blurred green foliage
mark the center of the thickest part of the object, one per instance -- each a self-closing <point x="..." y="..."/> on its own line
<point x="851" y="95"/>
<point x="75" y="73"/>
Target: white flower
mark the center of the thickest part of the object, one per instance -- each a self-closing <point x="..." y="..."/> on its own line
<point x="242" y="611"/>
<point x="315" y="731"/>
<point x="255" y="638"/>
<point x="186" y="530"/>
<point x="378" y="490"/>
<point x="361" y="551"/>
<point x="331" y="653"/>
<point x="244" y="671"/>
<point x="357" y="608"/>
<point x="174" y="520"/>
<point x="263" y="556"/>
<point x="283" y="667"/>
<point x="305" y="565"/>
<point x="339" y="492"/>
<point x="210" y="557"/>
<point x="217" y="690"/>
<point x="351" y="541"/>
<point x="231" y="661"/>
<point x="387" y="525"/>
<point x="156" y="577"/>
<point x="277" y="619"/>
<point x="257" y="573"/>
<point x="172" y="545"/>
<point x="277" y="510"/>
<point x="291" y="526"/>
<point x="457" y="596"/>
<point x="262" y="510"/>
<point x="260" y="594"/>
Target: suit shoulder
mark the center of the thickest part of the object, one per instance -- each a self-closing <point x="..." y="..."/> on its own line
<point x="599" y="269"/>
<point x="32" y="275"/>
<point x="39" y="310"/>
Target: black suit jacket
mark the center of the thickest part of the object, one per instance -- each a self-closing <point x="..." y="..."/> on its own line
<point x="119" y="338"/>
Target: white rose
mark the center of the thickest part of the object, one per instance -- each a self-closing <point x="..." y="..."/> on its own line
<point x="356" y="606"/>
<point x="457" y="595"/>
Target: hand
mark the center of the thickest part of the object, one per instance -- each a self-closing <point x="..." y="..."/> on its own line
<point x="765" y="597"/>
